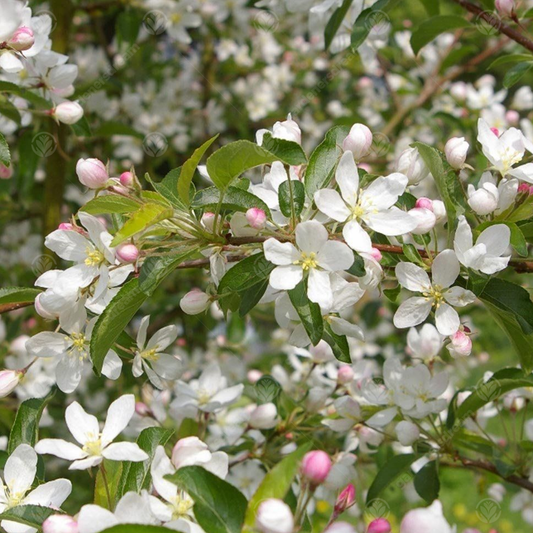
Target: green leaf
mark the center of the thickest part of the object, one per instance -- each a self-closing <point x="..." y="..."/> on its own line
<point x="234" y="199"/>
<point x="500" y="383"/>
<point x="110" y="203"/>
<point x="392" y="294"/>
<point x="368" y="19"/>
<point x="143" y="218"/>
<point x="516" y="73"/>
<point x="358" y="267"/>
<point x="127" y="27"/>
<point x="276" y="484"/>
<point x="35" y="99"/>
<point x="290" y="152"/>
<point x="26" y="426"/>
<point x="168" y="187"/>
<point x="251" y="297"/>
<point x="11" y="112"/>
<point x="107" y="129"/>
<point x="324" y="159"/>
<point x="189" y="168"/>
<point x="82" y="128"/>
<point x="447" y="182"/>
<point x="29" y="515"/>
<point x="393" y="469"/>
<point x="230" y="161"/>
<point x="433" y="27"/>
<point x="291" y="195"/>
<point x="412" y="254"/>
<point x="334" y="23"/>
<point x="136" y="476"/>
<point x="427" y="482"/>
<point x="339" y="344"/>
<point x="5" y="154"/>
<point x="113" y="474"/>
<point x="12" y="298"/>
<point x="510" y="58"/>
<point x="218" y="506"/>
<point x="432" y="7"/>
<point x="309" y="312"/>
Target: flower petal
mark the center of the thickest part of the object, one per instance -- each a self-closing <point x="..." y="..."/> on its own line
<point x="347" y="177"/>
<point x="445" y="268"/>
<point x="335" y="256"/>
<point x="356" y="237"/>
<point x="412" y="312"/>
<point x="60" y="448"/>
<point x="285" y="278"/>
<point x="331" y="204"/>
<point x="82" y="425"/>
<point x="412" y="277"/>
<point x="124" y="451"/>
<point x="118" y="416"/>
<point x="447" y="319"/>
<point x="311" y="236"/>
<point x="280" y="253"/>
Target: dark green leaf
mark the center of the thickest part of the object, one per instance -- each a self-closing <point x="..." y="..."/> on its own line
<point x="234" y="199"/>
<point x="290" y="152"/>
<point x="15" y="297"/>
<point x="168" y="187"/>
<point x="397" y="467"/>
<point x="368" y="19"/>
<point x="427" y="482"/>
<point x="35" y="99"/>
<point x="510" y="58"/>
<point x="291" y="195"/>
<point x="339" y="344"/>
<point x="433" y="27"/>
<point x="127" y="27"/>
<point x="334" y="23"/>
<point x="218" y="506"/>
<point x="309" y="312"/>
<point x="29" y="515"/>
<point x="515" y="74"/>
<point x="110" y="203"/>
<point x="432" y="7"/>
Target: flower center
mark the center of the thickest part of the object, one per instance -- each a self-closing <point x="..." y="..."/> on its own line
<point x="203" y="397"/>
<point x="150" y="355"/>
<point x="93" y="447"/>
<point x="175" y="18"/>
<point x="509" y="158"/>
<point x="15" y="498"/>
<point x="307" y="261"/>
<point x="94" y="258"/>
<point x="181" y="505"/>
<point x="435" y="293"/>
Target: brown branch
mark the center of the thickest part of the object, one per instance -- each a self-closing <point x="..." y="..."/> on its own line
<point x="497" y="24"/>
<point x="520" y="481"/>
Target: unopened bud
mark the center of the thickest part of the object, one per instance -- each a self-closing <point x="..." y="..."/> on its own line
<point x="513" y="117"/>
<point x="264" y="416"/>
<point x="407" y="433"/>
<point x="208" y="220"/>
<point x="376" y="254"/>
<point x="379" y="525"/>
<point x="195" y="302"/>
<point x="22" y="39"/>
<point x="345" y="374"/>
<point x="67" y="112"/>
<point x="274" y="516"/>
<point x="413" y="166"/>
<point x="424" y="203"/>
<point x="456" y="150"/>
<point x="127" y="253"/>
<point x="5" y="172"/>
<point x="316" y="466"/>
<point x="461" y="344"/>
<point x="127" y="180"/>
<point x="9" y="379"/>
<point x="345" y="499"/>
<point x="142" y="409"/>
<point x="256" y="218"/>
<point x="358" y="141"/>
<point x="425" y="220"/>
<point x="505" y="8"/>
<point x="60" y="523"/>
<point x="92" y="173"/>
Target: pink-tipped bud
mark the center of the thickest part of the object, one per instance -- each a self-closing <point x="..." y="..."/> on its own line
<point x="376" y="254"/>
<point x="425" y="220"/>
<point x="142" y="409"/>
<point x="461" y="344"/>
<point x="264" y="416"/>
<point x="523" y="188"/>
<point x="92" y="173"/>
<point x="496" y="131"/>
<point x="127" y="180"/>
<point x="256" y="218"/>
<point x="9" y="379"/>
<point x="254" y="375"/>
<point x="41" y="310"/>
<point x="358" y="141"/>
<point x="127" y="253"/>
<point x="345" y="374"/>
<point x="456" y="150"/>
<point x="424" y="203"/>
<point x="5" y="172"/>
<point x="195" y="302"/>
<point x="513" y="117"/>
<point x="208" y="219"/>
<point x="67" y="226"/>
<point x="379" y="525"/>
<point x="505" y="7"/>
<point x="60" y="523"/>
<point x="345" y="499"/>
<point x="67" y="112"/>
<point x="316" y="466"/>
<point x="22" y="39"/>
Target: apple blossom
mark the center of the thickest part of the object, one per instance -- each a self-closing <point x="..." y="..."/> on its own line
<point x="127" y="180"/>
<point x="425" y="343"/>
<point x="22" y="39"/>
<point x="426" y="519"/>
<point x="438" y="294"/>
<point x="274" y="516"/>
<point x="460" y="345"/>
<point x="486" y="255"/>
<point x="9" y="379"/>
<point x="287" y="130"/>
<point x="95" y="444"/>
<point x="60" y="523"/>
<point x="92" y="173"/>
<point x="256" y="217"/>
<point x="407" y="433"/>
<point x="425" y="219"/>
<point x="379" y="525"/>
<point x="374" y="205"/>
<point x="314" y="255"/>
<point x="505" y="7"/>
<point x="341" y="527"/>
<point x="424" y="203"/>
<point x="456" y="150"/>
<point x="411" y="164"/>
<point x="358" y="141"/>
<point x="192" y="451"/>
<point x="127" y="253"/>
<point x="315" y="467"/>
<point x="264" y="416"/>
<point x="68" y="112"/>
<point x="195" y="302"/>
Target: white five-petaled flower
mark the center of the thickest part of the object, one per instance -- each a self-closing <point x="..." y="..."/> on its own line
<point x="486" y="255"/>
<point x="19" y="473"/>
<point x="313" y="254"/>
<point x="437" y="294"/>
<point x="150" y="358"/>
<point x="506" y="151"/>
<point x="95" y="444"/>
<point x="373" y="206"/>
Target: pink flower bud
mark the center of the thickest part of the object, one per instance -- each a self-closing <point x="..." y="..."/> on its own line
<point x="345" y="374"/>
<point x="67" y="226"/>
<point x="413" y="166"/>
<point x="60" y="523"/>
<point x="365" y="83"/>
<point x="456" y="150"/>
<point x="496" y="131"/>
<point x="67" y="112"/>
<point x="195" y="302"/>
<point x="505" y="7"/>
<point x="22" y="39"/>
<point x="264" y="416"/>
<point x="461" y="344"/>
<point x="424" y="203"/>
<point x="256" y="217"/>
<point x="127" y="180"/>
<point x="379" y="525"/>
<point x="523" y="188"/>
<point x="358" y="141"/>
<point x="425" y="220"/>
<point x="274" y="516"/>
<point x="127" y="253"/>
<point x="316" y="466"/>
<point x="142" y="409"/>
<point x="254" y="375"/>
<point x="208" y="220"/>
<point x="345" y="499"/>
<point x="407" y="433"/>
<point x="376" y="254"/>
<point x="9" y="379"/>
<point x="92" y="173"/>
<point x="5" y="172"/>
<point x="513" y="117"/>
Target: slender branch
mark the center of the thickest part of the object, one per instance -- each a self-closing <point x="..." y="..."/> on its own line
<point x="497" y="24"/>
